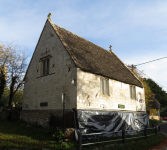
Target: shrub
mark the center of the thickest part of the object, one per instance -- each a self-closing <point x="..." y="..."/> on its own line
<point x="154" y="121"/>
<point x="58" y="135"/>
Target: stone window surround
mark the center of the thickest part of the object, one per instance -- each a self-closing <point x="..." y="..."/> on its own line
<point x="45" y="58"/>
<point x="102" y="88"/>
<point x="132" y="89"/>
<point x="45" y="63"/>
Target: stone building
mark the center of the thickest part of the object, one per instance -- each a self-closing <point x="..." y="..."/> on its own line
<point x="90" y="76"/>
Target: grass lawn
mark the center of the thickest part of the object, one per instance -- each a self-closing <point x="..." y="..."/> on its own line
<point x="15" y="135"/>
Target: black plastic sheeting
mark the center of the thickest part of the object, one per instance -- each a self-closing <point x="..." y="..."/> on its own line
<point x="95" y="121"/>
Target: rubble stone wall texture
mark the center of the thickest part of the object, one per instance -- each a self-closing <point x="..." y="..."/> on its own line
<point x="4" y="114"/>
<point x="89" y="97"/>
<point x="46" y="118"/>
<point x="49" y="88"/>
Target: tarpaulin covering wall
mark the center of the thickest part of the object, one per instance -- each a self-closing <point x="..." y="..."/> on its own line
<point x="95" y="121"/>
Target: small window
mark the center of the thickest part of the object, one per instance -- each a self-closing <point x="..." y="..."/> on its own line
<point x="132" y="92"/>
<point x="104" y="86"/>
<point x="45" y="67"/>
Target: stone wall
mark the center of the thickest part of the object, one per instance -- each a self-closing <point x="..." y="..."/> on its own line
<point x="89" y="97"/>
<point x="49" y="88"/>
<point x="4" y="114"/>
<point x="46" y="118"/>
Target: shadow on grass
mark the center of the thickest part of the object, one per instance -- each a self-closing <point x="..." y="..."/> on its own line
<point x="10" y="128"/>
<point x="16" y="143"/>
<point x="133" y="144"/>
<point x="15" y="135"/>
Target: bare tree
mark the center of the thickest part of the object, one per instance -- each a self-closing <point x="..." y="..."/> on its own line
<point x="2" y="80"/>
<point x="13" y="58"/>
<point x="16" y="73"/>
<point x="3" y="69"/>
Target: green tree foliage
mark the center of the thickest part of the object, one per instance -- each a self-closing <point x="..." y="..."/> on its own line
<point x="149" y="95"/>
<point x="5" y="97"/>
<point x="160" y="94"/>
<point x="17" y="98"/>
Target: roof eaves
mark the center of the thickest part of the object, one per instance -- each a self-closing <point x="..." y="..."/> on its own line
<point x="128" y="69"/>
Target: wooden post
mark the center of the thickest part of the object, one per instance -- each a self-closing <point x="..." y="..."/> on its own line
<point x="156" y="130"/>
<point x="63" y="101"/>
<point x="145" y="132"/>
<point x="123" y="136"/>
<point x="79" y="140"/>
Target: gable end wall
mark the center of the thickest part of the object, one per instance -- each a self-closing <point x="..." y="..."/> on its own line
<point x="49" y="88"/>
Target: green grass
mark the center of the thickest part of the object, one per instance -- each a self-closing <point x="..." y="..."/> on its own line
<point x="142" y="144"/>
<point x="15" y="135"/>
<point x="132" y="143"/>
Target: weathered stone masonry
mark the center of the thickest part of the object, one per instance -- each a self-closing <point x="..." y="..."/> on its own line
<point x="42" y="118"/>
<point x="48" y="88"/>
<point x="89" y="97"/>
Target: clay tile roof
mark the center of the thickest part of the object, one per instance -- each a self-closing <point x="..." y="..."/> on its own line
<point x="92" y="58"/>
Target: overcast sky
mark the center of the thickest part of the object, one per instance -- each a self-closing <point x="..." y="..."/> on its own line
<point x="137" y="30"/>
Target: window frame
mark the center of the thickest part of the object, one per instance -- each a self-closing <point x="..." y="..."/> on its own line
<point x="132" y="92"/>
<point x="45" y="66"/>
<point x="104" y="86"/>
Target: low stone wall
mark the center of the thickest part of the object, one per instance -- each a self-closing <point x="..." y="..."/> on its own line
<point x="4" y="114"/>
<point x="46" y="118"/>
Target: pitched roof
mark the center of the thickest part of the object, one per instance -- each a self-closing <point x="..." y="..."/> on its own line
<point x="95" y="59"/>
